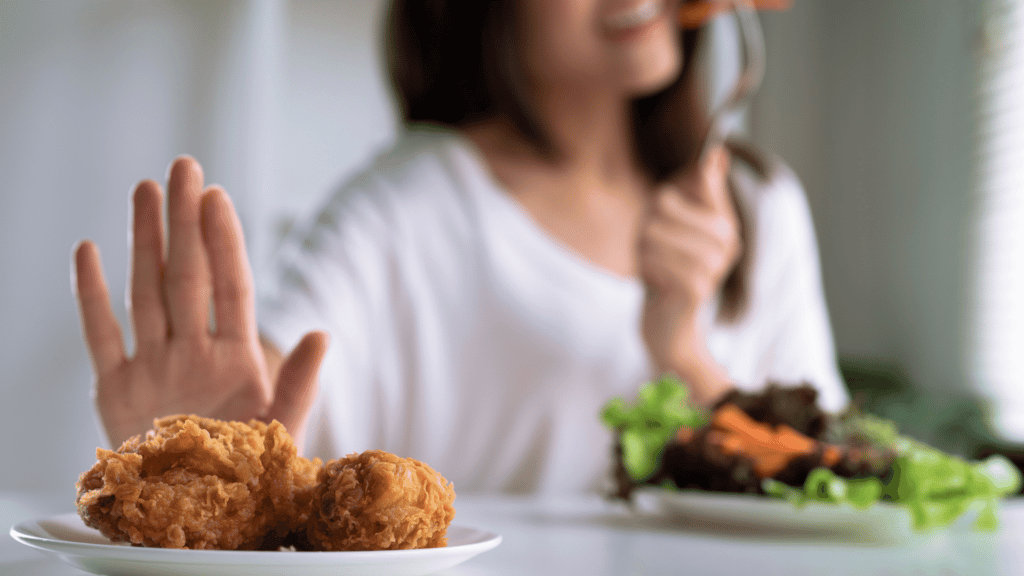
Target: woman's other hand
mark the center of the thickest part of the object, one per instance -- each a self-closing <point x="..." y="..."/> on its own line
<point x="187" y="360"/>
<point x="688" y="244"/>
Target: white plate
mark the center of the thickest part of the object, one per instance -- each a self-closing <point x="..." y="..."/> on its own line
<point x="67" y="537"/>
<point x="760" y="515"/>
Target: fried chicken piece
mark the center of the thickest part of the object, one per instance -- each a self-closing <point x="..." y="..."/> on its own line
<point x="287" y="488"/>
<point x="378" y="501"/>
<point x="200" y="483"/>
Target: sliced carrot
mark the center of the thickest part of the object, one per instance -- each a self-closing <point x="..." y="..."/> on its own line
<point x="732" y="419"/>
<point x="732" y="444"/>
<point x="793" y="440"/>
<point x="832" y="455"/>
<point x="769" y="466"/>
<point x="771" y="449"/>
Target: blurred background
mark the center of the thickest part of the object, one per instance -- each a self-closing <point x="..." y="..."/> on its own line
<point x="904" y="119"/>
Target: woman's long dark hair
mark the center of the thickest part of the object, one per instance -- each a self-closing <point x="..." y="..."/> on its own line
<point x="454" y="62"/>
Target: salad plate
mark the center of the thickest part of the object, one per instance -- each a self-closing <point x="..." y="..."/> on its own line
<point x="67" y="537"/>
<point x="757" y="515"/>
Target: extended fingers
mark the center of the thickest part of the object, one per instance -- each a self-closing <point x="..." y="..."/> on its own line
<point x="148" y="315"/>
<point x="233" y="299"/>
<point x="99" y="325"/>
<point x="187" y="277"/>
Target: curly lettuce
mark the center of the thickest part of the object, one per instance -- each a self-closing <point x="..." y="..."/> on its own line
<point x="937" y="488"/>
<point x="647" y="425"/>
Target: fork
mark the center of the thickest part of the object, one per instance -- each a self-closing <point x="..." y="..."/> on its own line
<point x="749" y="80"/>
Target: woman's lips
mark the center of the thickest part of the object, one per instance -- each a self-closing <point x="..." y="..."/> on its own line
<point x="631" y="22"/>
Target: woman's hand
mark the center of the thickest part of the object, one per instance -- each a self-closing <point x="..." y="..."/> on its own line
<point x="688" y="244"/>
<point x="187" y="360"/>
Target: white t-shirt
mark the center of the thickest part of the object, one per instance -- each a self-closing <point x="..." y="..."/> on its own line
<point x="465" y="336"/>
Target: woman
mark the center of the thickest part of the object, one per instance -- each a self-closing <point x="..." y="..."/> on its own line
<point x="540" y="239"/>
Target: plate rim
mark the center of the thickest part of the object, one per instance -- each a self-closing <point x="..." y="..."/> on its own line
<point x="883" y="522"/>
<point x="697" y="495"/>
<point x="27" y="532"/>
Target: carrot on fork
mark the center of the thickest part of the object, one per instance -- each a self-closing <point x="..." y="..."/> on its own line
<point x="696" y="13"/>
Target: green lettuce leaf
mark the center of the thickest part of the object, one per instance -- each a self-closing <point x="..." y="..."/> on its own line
<point x="935" y="487"/>
<point x="938" y="488"/>
<point x="646" y="425"/>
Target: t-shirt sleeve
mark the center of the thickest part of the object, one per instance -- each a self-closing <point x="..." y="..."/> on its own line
<point x="797" y="339"/>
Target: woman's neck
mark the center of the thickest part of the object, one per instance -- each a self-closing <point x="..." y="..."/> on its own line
<point x="592" y="195"/>
<point x="592" y="138"/>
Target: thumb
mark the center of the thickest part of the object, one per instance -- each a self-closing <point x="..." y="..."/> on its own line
<point x="297" y="382"/>
<point x="706" y="186"/>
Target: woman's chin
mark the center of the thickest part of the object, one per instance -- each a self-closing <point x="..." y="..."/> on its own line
<point x="653" y="76"/>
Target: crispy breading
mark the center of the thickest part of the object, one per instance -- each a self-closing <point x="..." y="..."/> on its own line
<point x="200" y="483"/>
<point x="378" y="501"/>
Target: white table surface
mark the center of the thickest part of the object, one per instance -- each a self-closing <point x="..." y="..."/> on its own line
<point x="588" y="536"/>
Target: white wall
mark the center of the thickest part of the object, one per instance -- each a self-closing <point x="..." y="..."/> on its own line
<point x="97" y="94"/>
<point x="873" y="102"/>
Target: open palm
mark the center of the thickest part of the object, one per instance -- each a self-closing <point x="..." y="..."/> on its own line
<point x="193" y="316"/>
